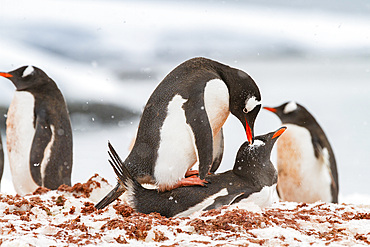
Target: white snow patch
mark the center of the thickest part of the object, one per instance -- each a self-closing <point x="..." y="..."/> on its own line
<point x="257" y="143"/>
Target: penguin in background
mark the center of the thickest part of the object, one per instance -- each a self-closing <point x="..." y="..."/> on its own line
<point x="305" y="160"/>
<point x="1" y="159"/>
<point x="182" y="124"/>
<point x="39" y="134"/>
<point x="253" y="178"/>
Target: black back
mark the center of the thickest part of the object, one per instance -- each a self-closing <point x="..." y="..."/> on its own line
<point x="302" y="117"/>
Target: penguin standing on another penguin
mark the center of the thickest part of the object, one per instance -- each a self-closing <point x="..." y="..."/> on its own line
<point x="252" y="179"/>
<point x="39" y="134"/>
<point x="182" y="124"/>
<point x="305" y="160"/>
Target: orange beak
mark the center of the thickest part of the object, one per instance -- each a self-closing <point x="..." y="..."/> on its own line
<point x="279" y="132"/>
<point x="6" y="75"/>
<point x="270" y="109"/>
<point x="248" y="131"/>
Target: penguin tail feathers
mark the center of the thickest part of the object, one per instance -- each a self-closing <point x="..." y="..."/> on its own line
<point x="111" y="196"/>
<point x="124" y="176"/>
<point x="125" y="180"/>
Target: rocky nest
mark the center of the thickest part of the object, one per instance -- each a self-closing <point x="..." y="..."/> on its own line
<point x="67" y="217"/>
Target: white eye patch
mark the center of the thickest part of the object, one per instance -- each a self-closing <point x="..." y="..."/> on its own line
<point x="29" y="70"/>
<point x="251" y="103"/>
<point x="291" y="106"/>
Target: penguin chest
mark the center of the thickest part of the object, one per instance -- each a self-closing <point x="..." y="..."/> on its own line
<point x="263" y="198"/>
<point x="20" y="132"/>
<point x="301" y="176"/>
<point x="177" y="150"/>
<point x="216" y="101"/>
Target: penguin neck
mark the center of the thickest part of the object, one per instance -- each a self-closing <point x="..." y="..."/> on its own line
<point x="46" y="87"/>
<point x="258" y="172"/>
<point x="226" y="73"/>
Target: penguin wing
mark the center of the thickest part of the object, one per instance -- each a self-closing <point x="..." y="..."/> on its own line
<point x="326" y="156"/>
<point x="218" y="151"/>
<point x="40" y="141"/>
<point x="197" y="118"/>
<point x="225" y="200"/>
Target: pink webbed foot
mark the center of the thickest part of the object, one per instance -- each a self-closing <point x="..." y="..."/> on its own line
<point x="188" y="181"/>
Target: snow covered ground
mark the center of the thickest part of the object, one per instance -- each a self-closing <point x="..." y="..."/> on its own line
<point x="68" y="217"/>
<point x="115" y="52"/>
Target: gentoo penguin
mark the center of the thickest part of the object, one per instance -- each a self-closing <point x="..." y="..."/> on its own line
<point x="305" y="160"/>
<point x="1" y="159"/>
<point x="39" y="134"/>
<point x="253" y="178"/>
<point x="182" y="120"/>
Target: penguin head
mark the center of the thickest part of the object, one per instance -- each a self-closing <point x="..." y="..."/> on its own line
<point x="292" y="112"/>
<point x="245" y="102"/>
<point x="254" y="159"/>
<point x="26" y="77"/>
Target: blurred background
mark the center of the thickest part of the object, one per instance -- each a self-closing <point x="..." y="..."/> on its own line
<point x="108" y="56"/>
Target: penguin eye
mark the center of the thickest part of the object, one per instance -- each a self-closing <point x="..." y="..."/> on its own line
<point x="245" y="110"/>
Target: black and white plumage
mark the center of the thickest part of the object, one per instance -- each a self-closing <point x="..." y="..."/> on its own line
<point x="253" y="179"/>
<point x="1" y="158"/>
<point x="306" y="163"/>
<point x="182" y="124"/>
<point x="39" y="134"/>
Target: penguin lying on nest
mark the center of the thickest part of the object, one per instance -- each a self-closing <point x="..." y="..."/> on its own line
<point x="253" y="178"/>
<point x="306" y="163"/>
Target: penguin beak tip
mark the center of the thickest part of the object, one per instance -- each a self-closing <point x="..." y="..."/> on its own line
<point x="6" y="75"/>
<point x="271" y="109"/>
<point x="279" y="132"/>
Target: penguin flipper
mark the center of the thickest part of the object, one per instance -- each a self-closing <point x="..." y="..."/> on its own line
<point x="218" y="149"/>
<point x="199" y="123"/>
<point x="327" y="158"/>
<point x="41" y="139"/>
<point x="225" y="200"/>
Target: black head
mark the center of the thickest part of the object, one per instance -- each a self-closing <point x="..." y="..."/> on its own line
<point x="26" y="77"/>
<point x="245" y="101"/>
<point x="254" y="159"/>
<point x="292" y="112"/>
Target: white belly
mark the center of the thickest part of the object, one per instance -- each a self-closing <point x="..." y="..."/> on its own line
<point x="20" y="133"/>
<point x="301" y="176"/>
<point x="264" y="198"/>
<point x="177" y="150"/>
<point x="216" y="100"/>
